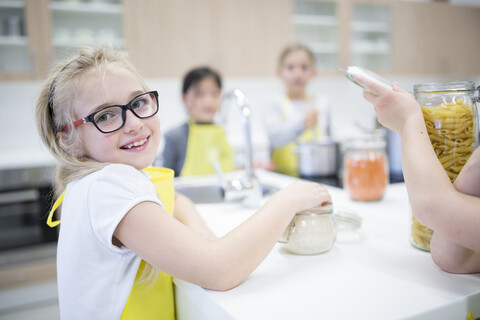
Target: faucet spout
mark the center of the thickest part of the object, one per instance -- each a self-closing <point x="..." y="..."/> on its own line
<point x="248" y="188"/>
<point x="242" y="102"/>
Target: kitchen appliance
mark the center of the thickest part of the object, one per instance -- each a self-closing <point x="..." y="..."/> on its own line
<point x="318" y="158"/>
<point x="25" y="199"/>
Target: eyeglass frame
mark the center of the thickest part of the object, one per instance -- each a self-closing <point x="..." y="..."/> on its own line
<point x="124" y="107"/>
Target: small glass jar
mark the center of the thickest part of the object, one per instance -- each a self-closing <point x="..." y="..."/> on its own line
<point x="365" y="169"/>
<point x="311" y="231"/>
<point x="450" y="113"/>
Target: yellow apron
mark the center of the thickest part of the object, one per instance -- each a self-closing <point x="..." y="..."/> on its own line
<point x="147" y="300"/>
<point x="206" y="143"/>
<point x="285" y="160"/>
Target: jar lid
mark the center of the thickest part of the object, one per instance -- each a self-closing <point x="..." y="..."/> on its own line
<point x="347" y="219"/>
<point x="325" y="209"/>
<point x="366" y="143"/>
<point x="444" y="86"/>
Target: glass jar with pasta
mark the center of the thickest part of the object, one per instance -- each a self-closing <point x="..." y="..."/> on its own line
<point x="450" y="117"/>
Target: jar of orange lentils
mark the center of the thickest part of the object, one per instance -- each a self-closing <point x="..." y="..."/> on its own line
<point x="365" y="172"/>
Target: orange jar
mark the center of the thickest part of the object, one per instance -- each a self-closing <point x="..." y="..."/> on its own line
<point x="366" y="169"/>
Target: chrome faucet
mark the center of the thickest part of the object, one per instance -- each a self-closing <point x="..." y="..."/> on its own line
<point x="247" y="188"/>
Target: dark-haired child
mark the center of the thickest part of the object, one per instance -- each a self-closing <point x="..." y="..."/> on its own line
<point x="193" y="147"/>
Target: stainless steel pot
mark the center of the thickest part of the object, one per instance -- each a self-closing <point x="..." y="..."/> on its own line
<point x="318" y="158"/>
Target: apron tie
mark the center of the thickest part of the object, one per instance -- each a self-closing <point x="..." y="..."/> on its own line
<point x="58" y="202"/>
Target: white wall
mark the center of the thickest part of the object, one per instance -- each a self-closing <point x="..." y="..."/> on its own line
<point x="22" y="147"/>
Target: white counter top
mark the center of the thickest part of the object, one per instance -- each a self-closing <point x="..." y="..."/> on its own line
<point x="374" y="273"/>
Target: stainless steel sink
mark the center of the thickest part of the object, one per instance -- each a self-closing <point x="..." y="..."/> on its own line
<point x="211" y="193"/>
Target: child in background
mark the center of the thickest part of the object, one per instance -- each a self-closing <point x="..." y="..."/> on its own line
<point x="295" y="115"/>
<point x="191" y="148"/>
<point x="99" y="119"/>
<point x="452" y="211"/>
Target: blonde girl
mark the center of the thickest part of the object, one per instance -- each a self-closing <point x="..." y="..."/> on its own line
<point x="294" y="115"/>
<point x="99" y="119"/>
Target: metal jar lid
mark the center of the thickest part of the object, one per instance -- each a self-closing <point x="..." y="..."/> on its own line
<point x="326" y="209"/>
<point x="444" y="87"/>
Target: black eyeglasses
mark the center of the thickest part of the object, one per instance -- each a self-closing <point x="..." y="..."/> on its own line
<point x="112" y="118"/>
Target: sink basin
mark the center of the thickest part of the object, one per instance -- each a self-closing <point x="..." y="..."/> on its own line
<point x="211" y="192"/>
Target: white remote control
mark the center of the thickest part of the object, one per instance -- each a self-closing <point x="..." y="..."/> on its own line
<point x="352" y="71"/>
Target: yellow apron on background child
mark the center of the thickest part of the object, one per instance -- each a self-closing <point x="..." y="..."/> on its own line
<point x="206" y="143"/>
<point x="147" y="300"/>
<point x="284" y="158"/>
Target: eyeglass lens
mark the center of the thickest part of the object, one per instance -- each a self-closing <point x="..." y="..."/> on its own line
<point x="111" y="118"/>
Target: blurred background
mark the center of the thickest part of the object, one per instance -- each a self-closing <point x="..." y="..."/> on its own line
<point x="405" y="41"/>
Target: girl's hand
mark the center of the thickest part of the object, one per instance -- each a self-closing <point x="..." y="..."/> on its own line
<point x="303" y="195"/>
<point x="311" y="118"/>
<point x="393" y="107"/>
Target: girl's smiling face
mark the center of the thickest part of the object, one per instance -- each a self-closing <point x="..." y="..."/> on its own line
<point x="203" y="100"/>
<point x="296" y="70"/>
<point x="117" y="87"/>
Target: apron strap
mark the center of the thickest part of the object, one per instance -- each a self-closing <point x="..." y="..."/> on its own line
<point x="58" y="202"/>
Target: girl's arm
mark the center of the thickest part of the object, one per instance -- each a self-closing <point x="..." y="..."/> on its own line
<point x="279" y="131"/>
<point x="216" y="264"/>
<point x="436" y="203"/>
<point x="184" y="211"/>
<point x="449" y="255"/>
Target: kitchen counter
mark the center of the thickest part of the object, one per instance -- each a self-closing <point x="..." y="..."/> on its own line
<point x="372" y="273"/>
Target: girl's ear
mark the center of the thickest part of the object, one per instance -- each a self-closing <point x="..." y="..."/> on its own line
<point x="73" y="149"/>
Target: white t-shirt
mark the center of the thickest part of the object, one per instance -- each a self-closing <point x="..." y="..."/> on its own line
<point x="284" y="119"/>
<point x="95" y="277"/>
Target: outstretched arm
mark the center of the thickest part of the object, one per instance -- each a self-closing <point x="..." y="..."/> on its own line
<point x="185" y="212"/>
<point x="452" y="214"/>
<point x="216" y="264"/>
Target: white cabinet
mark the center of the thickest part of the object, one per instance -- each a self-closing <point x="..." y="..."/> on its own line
<point x="342" y="33"/>
<point x="370" y="30"/>
<point x="315" y="24"/>
<point x="14" y="53"/>
<point x="34" y="34"/>
<point x="92" y="23"/>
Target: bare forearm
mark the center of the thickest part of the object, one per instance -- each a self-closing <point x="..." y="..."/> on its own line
<point x="216" y="264"/>
<point x="434" y="200"/>
<point x="245" y="247"/>
<point x="426" y="180"/>
<point x="468" y="181"/>
<point x="186" y="213"/>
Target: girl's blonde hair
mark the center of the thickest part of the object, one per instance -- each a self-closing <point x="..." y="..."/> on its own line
<point x="295" y="47"/>
<point x="54" y="110"/>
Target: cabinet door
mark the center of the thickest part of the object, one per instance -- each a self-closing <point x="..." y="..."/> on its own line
<point x="85" y="23"/>
<point x="436" y="38"/>
<point x="19" y="51"/>
<point x="240" y="38"/>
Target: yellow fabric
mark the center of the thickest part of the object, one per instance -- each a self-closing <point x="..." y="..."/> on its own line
<point x="147" y="300"/>
<point x="57" y="203"/>
<point x="206" y="143"/>
<point x="284" y="158"/>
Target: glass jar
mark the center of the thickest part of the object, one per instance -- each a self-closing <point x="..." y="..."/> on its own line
<point x="311" y="231"/>
<point x="449" y="112"/>
<point x="365" y="169"/>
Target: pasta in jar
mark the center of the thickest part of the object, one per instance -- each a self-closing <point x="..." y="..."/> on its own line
<point x="450" y="118"/>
